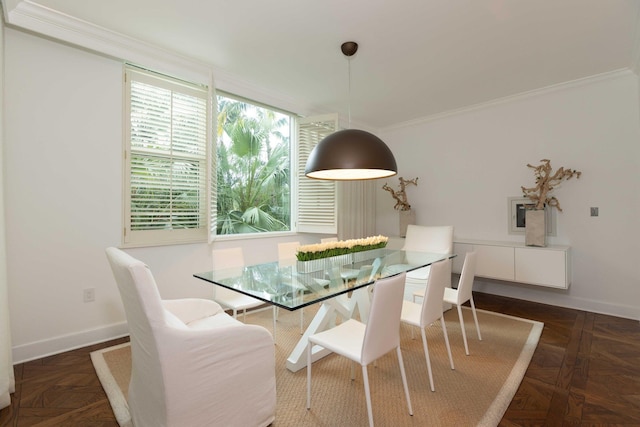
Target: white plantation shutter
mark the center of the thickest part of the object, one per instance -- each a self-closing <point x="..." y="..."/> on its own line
<point x="166" y="160"/>
<point x="317" y="201"/>
<point x="212" y="190"/>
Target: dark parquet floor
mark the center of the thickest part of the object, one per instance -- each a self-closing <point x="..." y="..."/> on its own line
<point x="584" y="372"/>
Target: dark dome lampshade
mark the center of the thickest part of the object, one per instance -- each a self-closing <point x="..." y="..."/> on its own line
<point x="351" y="154"/>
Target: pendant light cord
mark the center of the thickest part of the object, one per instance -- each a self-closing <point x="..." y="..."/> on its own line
<point x="349" y="93"/>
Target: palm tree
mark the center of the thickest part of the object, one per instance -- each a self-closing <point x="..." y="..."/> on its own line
<point x="252" y="169"/>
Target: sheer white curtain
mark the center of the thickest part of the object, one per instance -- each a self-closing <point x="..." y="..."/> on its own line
<point x="356" y="209"/>
<point x="7" y="380"/>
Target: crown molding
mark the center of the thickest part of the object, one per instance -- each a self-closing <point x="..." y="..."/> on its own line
<point x="50" y="23"/>
<point x="53" y="24"/>
<point x="227" y="82"/>
<point x="520" y="96"/>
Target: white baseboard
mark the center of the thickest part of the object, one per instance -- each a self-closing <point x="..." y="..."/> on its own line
<point x="557" y="297"/>
<point x="39" y="349"/>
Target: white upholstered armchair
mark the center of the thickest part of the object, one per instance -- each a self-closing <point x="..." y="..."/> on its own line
<point x="192" y="364"/>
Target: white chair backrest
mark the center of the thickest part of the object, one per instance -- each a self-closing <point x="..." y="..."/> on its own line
<point x="436" y="239"/>
<point x="376" y="266"/>
<point x="465" y="285"/>
<point x="145" y="317"/>
<point x="138" y="290"/>
<point x="364" y="274"/>
<point x="227" y="258"/>
<point x="287" y="250"/>
<point x="382" y="332"/>
<point x="335" y="278"/>
<point x="432" y="301"/>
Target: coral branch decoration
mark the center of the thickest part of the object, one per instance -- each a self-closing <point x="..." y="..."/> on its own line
<point x="329" y="249"/>
<point x="400" y="196"/>
<point x="546" y="181"/>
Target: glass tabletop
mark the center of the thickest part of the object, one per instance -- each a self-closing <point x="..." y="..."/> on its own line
<point x="293" y="284"/>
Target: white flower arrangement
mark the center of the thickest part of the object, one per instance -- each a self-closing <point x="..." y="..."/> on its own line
<point x="329" y="249"/>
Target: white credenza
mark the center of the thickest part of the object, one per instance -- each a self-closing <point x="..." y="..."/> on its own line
<point x="515" y="262"/>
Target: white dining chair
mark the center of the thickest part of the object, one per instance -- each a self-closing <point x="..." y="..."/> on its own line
<point x="288" y="250"/>
<point x="434" y="239"/>
<point x="463" y="294"/>
<point x="235" y="301"/>
<point x="365" y="343"/>
<point x="287" y="255"/>
<point x="425" y="314"/>
<point x="376" y="268"/>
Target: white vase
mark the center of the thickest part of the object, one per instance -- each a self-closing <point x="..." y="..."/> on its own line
<point x="406" y="218"/>
<point x="535" y="228"/>
<point x="322" y="264"/>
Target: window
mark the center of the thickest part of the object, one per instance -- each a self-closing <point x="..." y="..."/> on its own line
<point x="166" y="160"/>
<point x="253" y="168"/>
<point x="179" y="188"/>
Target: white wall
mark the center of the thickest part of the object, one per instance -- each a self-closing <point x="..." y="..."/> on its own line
<point x="469" y="163"/>
<point x="63" y="185"/>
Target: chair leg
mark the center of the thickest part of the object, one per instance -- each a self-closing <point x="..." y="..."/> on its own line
<point x="417" y="295"/>
<point x="309" y="347"/>
<point x="475" y="317"/>
<point x="367" y="393"/>
<point x="404" y="380"/>
<point x="275" y="316"/>
<point x="446" y="340"/>
<point x="464" y="334"/>
<point x="426" y="355"/>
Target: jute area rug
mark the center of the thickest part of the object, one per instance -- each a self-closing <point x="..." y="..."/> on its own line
<point x="477" y="392"/>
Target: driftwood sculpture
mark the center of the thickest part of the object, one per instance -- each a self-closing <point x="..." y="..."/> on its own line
<point x="402" y="204"/>
<point x="546" y="182"/>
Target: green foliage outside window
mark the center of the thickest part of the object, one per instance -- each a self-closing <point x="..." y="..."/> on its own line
<point x="253" y="168"/>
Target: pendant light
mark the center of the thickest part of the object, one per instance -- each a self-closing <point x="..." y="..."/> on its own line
<point x="350" y="154"/>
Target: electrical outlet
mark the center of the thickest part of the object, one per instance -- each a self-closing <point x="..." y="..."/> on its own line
<point x="594" y="211"/>
<point x="89" y="295"/>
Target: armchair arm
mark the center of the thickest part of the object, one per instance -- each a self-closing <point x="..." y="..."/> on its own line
<point x="191" y="309"/>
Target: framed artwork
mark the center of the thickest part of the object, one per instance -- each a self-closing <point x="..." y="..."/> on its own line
<point x="517" y="207"/>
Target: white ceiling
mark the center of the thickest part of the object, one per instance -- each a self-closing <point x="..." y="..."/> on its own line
<point x="417" y="58"/>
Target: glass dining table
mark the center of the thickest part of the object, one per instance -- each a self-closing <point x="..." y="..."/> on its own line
<point x="340" y="284"/>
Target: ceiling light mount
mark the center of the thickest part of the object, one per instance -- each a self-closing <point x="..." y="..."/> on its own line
<point x="349" y="48"/>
